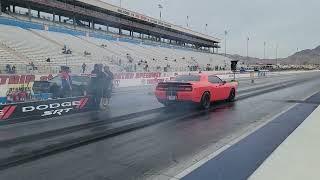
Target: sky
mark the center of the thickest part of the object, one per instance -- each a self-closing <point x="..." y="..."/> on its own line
<point x="289" y="24"/>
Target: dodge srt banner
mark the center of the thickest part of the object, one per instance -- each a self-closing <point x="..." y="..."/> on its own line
<point x="44" y="109"/>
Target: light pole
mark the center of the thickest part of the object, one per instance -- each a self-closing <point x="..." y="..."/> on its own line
<point x="225" y="42"/>
<point x="187" y="21"/>
<point x="225" y="48"/>
<point x="297" y="63"/>
<point x="264" y="50"/>
<point x="277" y="55"/>
<point x="205" y="28"/>
<point x="247" y="48"/>
<point x="160" y="8"/>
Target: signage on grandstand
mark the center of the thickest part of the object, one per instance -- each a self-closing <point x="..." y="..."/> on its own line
<point x="16" y="79"/>
<point x="137" y="75"/>
<point x="43" y="109"/>
<point x="22" y="79"/>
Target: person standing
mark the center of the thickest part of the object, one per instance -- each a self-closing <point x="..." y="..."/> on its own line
<point x="66" y="82"/>
<point x="8" y="68"/>
<point x="97" y="85"/>
<point x="108" y="85"/>
<point x="13" y="69"/>
<point x="84" y="66"/>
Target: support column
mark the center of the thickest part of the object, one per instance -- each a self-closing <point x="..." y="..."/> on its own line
<point x="38" y="14"/>
<point x="59" y="19"/>
<point x="14" y="9"/>
<point x="120" y="31"/>
<point x="140" y="35"/>
<point x="0" y="8"/>
<point x="29" y="12"/>
<point x="54" y="17"/>
<point x="74" y="20"/>
<point x="92" y="23"/>
<point x="107" y="28"/>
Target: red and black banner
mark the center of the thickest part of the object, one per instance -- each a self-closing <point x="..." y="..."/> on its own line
<point x="20" y="112"/>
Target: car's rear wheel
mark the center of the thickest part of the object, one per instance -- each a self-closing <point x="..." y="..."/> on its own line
<point x="232" y="95"/>
<point x="205" y="101"/>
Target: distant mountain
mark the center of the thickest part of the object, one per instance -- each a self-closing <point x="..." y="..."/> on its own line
<point x="251" y="60"/>
<point x="307" y="56"/>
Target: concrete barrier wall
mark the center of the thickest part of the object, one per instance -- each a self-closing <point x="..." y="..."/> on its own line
<point x="123" y="80"/>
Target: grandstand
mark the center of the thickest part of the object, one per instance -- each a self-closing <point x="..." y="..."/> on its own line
<point x="44" y="43"/>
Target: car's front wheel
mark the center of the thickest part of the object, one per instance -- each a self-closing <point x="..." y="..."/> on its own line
<point x="205" y="101"/>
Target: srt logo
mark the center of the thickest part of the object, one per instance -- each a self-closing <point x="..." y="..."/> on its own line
<point x="56" y="108"/>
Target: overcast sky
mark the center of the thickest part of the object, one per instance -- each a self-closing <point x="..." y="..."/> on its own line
<point x="291" y="24"/>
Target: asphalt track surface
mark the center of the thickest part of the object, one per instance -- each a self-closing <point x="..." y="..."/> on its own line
<point x="165" y="149"/>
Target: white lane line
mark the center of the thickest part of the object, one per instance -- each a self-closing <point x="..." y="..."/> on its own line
<point x="231" y="143"/>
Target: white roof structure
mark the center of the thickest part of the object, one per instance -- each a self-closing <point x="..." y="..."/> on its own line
<point x="132" y="14"/>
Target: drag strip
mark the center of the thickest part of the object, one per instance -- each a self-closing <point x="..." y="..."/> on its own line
<point x="101" y="130"/>
<point x="56" y="132"/>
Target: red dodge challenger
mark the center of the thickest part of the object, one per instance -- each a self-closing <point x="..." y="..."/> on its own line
<point x="197" y="88"/>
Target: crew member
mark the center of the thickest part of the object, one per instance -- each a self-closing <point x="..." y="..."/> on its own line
<point x="96" y="85"/>
<point x="66" y="82"/>
<point x="108" y="84"/>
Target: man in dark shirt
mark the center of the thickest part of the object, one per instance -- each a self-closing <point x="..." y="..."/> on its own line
<point x="108" y="85"/>
<point x="97" y="85"/>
